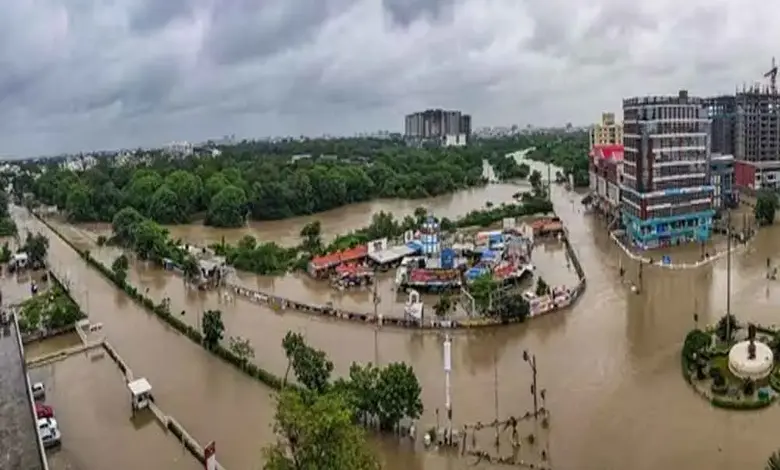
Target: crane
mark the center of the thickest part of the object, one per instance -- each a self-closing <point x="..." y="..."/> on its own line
<point x="772" y="75"/>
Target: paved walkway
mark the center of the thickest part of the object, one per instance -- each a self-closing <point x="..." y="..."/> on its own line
<point x="18" y="435"/>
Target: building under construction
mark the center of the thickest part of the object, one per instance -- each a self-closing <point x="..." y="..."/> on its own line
<point x="747" y="125"/>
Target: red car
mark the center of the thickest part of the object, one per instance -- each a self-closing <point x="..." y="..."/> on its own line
<point x="43" y="411"/>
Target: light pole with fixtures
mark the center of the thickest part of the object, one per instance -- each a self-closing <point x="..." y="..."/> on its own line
<point x="531" y="360"/>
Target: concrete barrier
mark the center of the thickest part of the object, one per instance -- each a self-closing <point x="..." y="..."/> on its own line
<point x="736" y="248"/>
<point x="62" y="354"/>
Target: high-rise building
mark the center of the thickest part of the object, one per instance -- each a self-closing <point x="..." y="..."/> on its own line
<point x="606" y="132"/>
<point x="438" y="125"/>
<point x="666" y="195"/>
<point x="747" y="125"/>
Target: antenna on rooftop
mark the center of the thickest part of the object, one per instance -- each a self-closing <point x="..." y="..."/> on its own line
<point x="772" y="75"/>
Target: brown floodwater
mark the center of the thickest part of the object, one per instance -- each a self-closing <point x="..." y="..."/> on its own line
<point x="610" y="364"/>
<point x="40" y="348"/>
<point x="92" y="407"/>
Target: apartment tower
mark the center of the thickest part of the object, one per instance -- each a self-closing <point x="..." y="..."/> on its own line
<point x="666" y="195"/>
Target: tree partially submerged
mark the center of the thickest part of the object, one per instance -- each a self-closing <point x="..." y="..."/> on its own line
<point x="317" y="432"/>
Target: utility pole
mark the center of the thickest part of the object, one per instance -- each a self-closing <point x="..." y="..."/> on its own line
<point x="728" y="275"/>
<point x="531" y="360"/>
<point x="495" y="392"/>
<point x="549" y="181"/>
<point x="447" y="392"/>
<point x="377" y="318"/>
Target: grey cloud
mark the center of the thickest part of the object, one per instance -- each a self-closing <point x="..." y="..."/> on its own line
<point x="151" y="15"/>
<point x="404" y="12"/>
<point x="83" y="74"/>
<point x="245" y="29"/>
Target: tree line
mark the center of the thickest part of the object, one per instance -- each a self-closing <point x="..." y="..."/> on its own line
<point x="260" y="180"/>
<point x="151" y="241"/>
<point x="276" y="180"/>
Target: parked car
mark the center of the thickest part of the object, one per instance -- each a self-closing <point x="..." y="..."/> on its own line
<point x="38" y="391"/>
<point x="43" y="411"/>
<point x="49" y="431"/>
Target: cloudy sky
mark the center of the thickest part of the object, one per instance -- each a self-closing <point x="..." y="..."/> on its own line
<point x="90" y="74"/>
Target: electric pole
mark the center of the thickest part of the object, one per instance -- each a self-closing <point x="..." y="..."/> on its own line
<point x="531" y="360"/>
<point x="447" y="392"/>
<point x="728" y="275"/>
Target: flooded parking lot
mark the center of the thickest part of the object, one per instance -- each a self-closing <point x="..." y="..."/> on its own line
<point x="92" y="408"/>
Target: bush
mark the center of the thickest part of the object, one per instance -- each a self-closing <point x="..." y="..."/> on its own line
<point x="739" y="404"/>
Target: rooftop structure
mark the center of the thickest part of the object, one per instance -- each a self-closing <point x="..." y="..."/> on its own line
<point x="606" y="132"/>
<point x="20" y="445"/>
<point x="666" y="194"/>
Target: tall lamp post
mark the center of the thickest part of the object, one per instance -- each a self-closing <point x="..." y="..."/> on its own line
<point x="531" y="360"/>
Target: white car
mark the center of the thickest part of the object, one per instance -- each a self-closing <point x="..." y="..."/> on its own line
<point x="38" y="391"/>
<point x="49" y="431"/>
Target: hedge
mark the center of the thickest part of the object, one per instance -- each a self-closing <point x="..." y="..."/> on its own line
<point x="193" y="334"/>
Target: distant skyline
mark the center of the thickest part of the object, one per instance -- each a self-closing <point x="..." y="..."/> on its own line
<point x="89" y="75"/>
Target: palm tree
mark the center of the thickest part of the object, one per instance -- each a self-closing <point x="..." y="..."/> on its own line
<point x="773" y="463"/>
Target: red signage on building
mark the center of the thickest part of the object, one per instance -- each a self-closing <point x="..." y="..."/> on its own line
<point x="611" y="152"/>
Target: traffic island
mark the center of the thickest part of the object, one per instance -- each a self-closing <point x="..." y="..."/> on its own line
<point x="733" y="366"/>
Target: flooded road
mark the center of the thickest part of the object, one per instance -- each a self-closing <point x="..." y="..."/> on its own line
<point x="610" y="364"/>
<point x="92" y="407"/>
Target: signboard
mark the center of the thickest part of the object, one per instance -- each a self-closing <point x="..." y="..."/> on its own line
<point x="375" y="246"/>
<point x="210" y="454"/>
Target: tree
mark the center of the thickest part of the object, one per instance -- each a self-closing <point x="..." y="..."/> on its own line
<point x="311" y="366"/>
<point x="541" y="287"/>
<point x="5" y="253"/>
<point x="37" y="247"/>
<point x="397" y="395"/>
<point x="482" y="289"/>
<point x="242" y="348"/>
<point x="535" y="179"/>
<point x="317" y="433"/>
<point x="212" y="327"/>
<point x="227" y="208"/>
<point x="773" y="463"/>
<point x="512" y="306"/>
<point x="119" y="267"/>
<point x="443" y="305"/>
<point x="311" y="233"/>
<point x="727" y="325"/>
<point x="766" y="206"/>
<point x="190" y="268"/>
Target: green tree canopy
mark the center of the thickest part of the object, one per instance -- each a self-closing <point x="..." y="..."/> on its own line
<point x="317" y="433"/>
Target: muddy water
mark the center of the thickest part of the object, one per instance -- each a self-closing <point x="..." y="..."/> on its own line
<point x="48" y="346"/>
<point x="338" y="221"/>
<point x="211" y="400"/>
<point x="610" y="364"/>
<point x="92" y="407"/>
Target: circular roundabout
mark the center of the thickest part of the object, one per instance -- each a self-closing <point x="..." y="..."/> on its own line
<point x="733" y="365"/>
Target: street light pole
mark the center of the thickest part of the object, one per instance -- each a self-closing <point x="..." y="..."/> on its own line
<point x="377" y="318"/>
<point x="728" y="276"/>
<point x="531" y="360"/>
<point x="447" y="392"/>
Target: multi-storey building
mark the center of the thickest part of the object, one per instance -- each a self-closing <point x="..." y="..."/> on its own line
<point x="606" y="176"/>
<point x="747" y="125"/>
<point x="722" y="179"/>
<point x="666" y="195"/>
<point x="606" y="132"/>
<point x="438" y="125"/>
